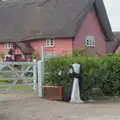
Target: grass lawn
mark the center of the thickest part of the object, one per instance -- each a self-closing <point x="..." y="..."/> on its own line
<point x="15" y="87"/>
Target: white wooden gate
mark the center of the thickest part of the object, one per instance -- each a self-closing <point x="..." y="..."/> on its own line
<point x="16" y="71"/>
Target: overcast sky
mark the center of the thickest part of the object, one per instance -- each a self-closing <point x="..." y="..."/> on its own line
<point x="113" y="10"/>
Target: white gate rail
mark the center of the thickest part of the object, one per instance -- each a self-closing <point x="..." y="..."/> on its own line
<point x="15" y="74"/>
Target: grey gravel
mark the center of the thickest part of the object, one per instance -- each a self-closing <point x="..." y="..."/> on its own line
<point x="27" y="107"/>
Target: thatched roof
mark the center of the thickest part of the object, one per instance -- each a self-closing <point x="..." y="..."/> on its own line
<point x="31" y="19"/>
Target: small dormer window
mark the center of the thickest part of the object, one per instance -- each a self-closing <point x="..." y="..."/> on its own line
<point x="8" y="45"/>
<point x="50" y="42"/>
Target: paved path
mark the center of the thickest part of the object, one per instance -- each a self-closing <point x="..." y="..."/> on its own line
<point x="25" y="107"/>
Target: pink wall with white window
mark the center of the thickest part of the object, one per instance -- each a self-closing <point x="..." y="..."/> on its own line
<point x="91" y="27"/>
<point x="61" y="46"/>
<point x="3" y="49"/>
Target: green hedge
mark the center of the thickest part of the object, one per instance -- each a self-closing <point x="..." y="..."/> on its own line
<point x="101" y="75"/>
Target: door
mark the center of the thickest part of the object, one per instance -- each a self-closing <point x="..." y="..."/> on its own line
<point x="18" y="58"/>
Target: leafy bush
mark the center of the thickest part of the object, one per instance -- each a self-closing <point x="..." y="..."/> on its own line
<point x="35" y="55"/>
<point x="80" y="52"/>
<point x="2" y="55"/>
<point x="101" y="75"/>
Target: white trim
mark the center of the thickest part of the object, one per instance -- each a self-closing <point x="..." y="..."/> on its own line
<point x="48" y="42"/>
<point x="8" y="45"/>
<point x="88" y="41"/>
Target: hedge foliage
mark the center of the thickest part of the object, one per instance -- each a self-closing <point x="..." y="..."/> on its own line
<point x="101" y="75"/>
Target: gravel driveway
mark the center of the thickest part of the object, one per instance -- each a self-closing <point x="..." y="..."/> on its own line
<point x="26" y="107"/>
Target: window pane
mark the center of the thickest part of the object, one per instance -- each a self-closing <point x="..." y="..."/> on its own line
<point x="90" y="41"/>
<point x="87" y="42"/>
<point x="47" y="41"/>
<point x="50" y="42"/>
<point x="8" y="45"/>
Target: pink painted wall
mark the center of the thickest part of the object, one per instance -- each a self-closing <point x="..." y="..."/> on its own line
<point x="91" y="27"/>
<point x="3" y="49"/>
<point x="62" y="46"/>
<point x="18" y="51"/>
<point x="117" y="50"/>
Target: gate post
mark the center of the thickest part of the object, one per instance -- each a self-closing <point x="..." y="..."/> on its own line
<point x="35" y="77"/>
<point x="40" y="78"/>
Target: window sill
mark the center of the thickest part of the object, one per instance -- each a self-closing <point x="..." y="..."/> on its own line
<point x="50" y="46"/>
<point x="7" y="48"/>
<point x="90" y="46"/>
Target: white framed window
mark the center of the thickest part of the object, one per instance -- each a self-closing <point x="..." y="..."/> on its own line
<point x="50" y="42"/>
<point x="90" y="41"/>
<point x="8" y="45"/>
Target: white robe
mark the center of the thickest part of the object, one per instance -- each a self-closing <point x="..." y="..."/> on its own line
<point x="75" y="95"/>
